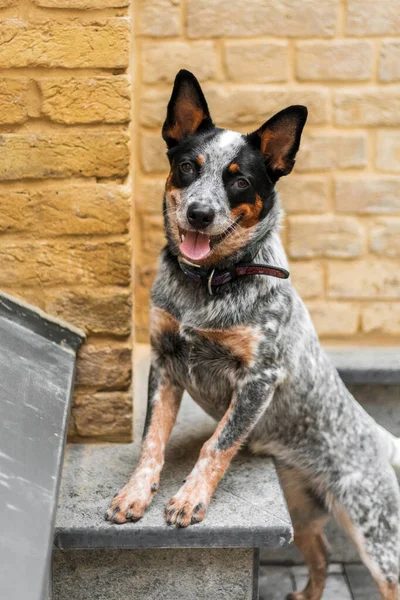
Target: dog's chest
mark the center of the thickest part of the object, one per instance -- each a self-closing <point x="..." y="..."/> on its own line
<point x="207" y="361"/>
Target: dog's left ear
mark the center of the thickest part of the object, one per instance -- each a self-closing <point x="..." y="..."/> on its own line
<point x="187" y="111"/>
<point x="279" y="140"/>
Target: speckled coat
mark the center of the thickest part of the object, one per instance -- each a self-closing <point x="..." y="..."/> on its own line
<point x="249" y="355"/>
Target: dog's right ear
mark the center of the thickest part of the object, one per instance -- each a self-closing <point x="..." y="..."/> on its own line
<point x="187" y="111"/>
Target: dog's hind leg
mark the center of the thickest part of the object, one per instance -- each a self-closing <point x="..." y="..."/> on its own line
<point x="369" y="512"/>
<point x="308" y="517"/>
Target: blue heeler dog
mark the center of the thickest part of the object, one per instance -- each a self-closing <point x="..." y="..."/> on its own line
<point x="228" y="327"/>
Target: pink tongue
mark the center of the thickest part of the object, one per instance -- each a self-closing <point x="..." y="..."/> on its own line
<point x="195" y="245"/>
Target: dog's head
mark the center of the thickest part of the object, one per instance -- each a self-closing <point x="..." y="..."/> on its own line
<point x="220" y="189"/>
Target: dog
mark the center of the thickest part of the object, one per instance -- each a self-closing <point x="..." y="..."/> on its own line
<point x="228" y="327"/>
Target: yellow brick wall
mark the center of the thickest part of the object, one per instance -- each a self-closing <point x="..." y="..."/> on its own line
<point x="65" y="197"/>
<point x="342" y="59"/>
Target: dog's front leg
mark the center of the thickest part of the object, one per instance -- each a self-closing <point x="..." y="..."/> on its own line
<point x="164" y="398"/>
<point x="249" y="401"/>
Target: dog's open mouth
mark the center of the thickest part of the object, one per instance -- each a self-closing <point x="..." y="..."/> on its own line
<point x="196" y="245"/>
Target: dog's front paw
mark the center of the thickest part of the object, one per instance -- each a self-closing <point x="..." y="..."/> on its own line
<point x="187" y="507"/>
<point x="131" y="502"/>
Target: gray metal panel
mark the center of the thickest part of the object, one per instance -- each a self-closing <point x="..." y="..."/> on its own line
<point x="36" y="381"/>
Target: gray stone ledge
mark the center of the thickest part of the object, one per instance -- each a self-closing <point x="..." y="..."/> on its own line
<point x="378" y="365"/>
<point x="248" y="509"/>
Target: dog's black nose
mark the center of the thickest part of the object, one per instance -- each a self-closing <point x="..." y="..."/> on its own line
<point x="200" y="216"/>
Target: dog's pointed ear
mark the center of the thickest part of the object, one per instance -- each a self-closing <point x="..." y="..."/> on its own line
<point x="187" y="111"/>
<point x="279" y="140"/>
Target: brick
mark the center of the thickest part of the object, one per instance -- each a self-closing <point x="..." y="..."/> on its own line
<point x="304" y="194"/>
<point x="367" y="106"/>
<point x="149" y="196"/>
<point x="381" y="318"/>
<point x="105" y="415"/>
<point x="370" y="279"/>
<point x="389" y="61"/>
<point x="333" y="319"/>
<point x="283" y="18"/>
<point x="50" y="155"/>
<point x="159" y="18"/>
<point x="162" y="60"/>
<point x="89" y="100"/>
<point x="82" y="4"/>
<point x="367" y="17"/>
<point x="70" y="43"/>
<point x="256" y="62"/>
<point x="338" y="60"/>
<point x="307" y="278"/>
<point x="96" y="311"/>
<point x="7" y="3"/>
<point x="104" y="367"/>
<point x="64" y="263"/>
<point x="368" y="195"/>
<point x="324" y="151"/>
<point x="334" y="237"/>
<point x="153" y="153"/>
<point x="152" y="231"/>
<point x="388" y="150"/>
<point x="13" y="100"/>
<point x="385" y="237"/>
<point x="74" y="209"/>
<point x="238" y="105"/>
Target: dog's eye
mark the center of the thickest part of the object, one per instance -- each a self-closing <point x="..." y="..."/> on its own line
<point x="241" y="183"/>
<point x="186" y="167"/>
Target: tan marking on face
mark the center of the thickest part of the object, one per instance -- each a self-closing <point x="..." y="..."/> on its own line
<point x="200" y="160"/>
<point x="242" y="342"/>
<point x="250" y="212"/>
<point x="233" y="168"/>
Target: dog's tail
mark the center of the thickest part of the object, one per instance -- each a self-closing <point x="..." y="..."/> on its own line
<point x="391" y="445"/>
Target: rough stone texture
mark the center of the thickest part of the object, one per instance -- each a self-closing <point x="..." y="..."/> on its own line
<point x="334" y="319"/>
<point x="13" y="100"/>
<point x="256" y="62"/>
<point x="7" y="3"/>
<point x="152" y="235"/>
<point x="389" y="61"/>
<point x="89" y="100"/>
<point x="105" y="416"/>
<point x="372" y="18"/>
<point x="320" y="151"/>
<point x="104" y="367"/>
<point x="368" y="106"/>
<point x="385" y="237"/>
<point x="159" y="18"/>
<point x="307" y="278"/>
<point x="162" y="60"/>
<point x="73" y="210"/>
<point x="366" y="279"/>
<point x="302" y="194"/>
<point x="49" y="155"/>
<point x="65" y="263"/>
<point x="382" y="319"/>
<point x="308" y="18"/>
<point x="82" y="4"/>
<point x="388" y="150"/>
<point x="70" y="43"/>
<point x="149" y="196"/>
<point x="179" y="574"/>
<point x="334" y="60"/>
<point x="153" y="153"/>
<point x="367" y="195"/>
<point x="334" y="237"/>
